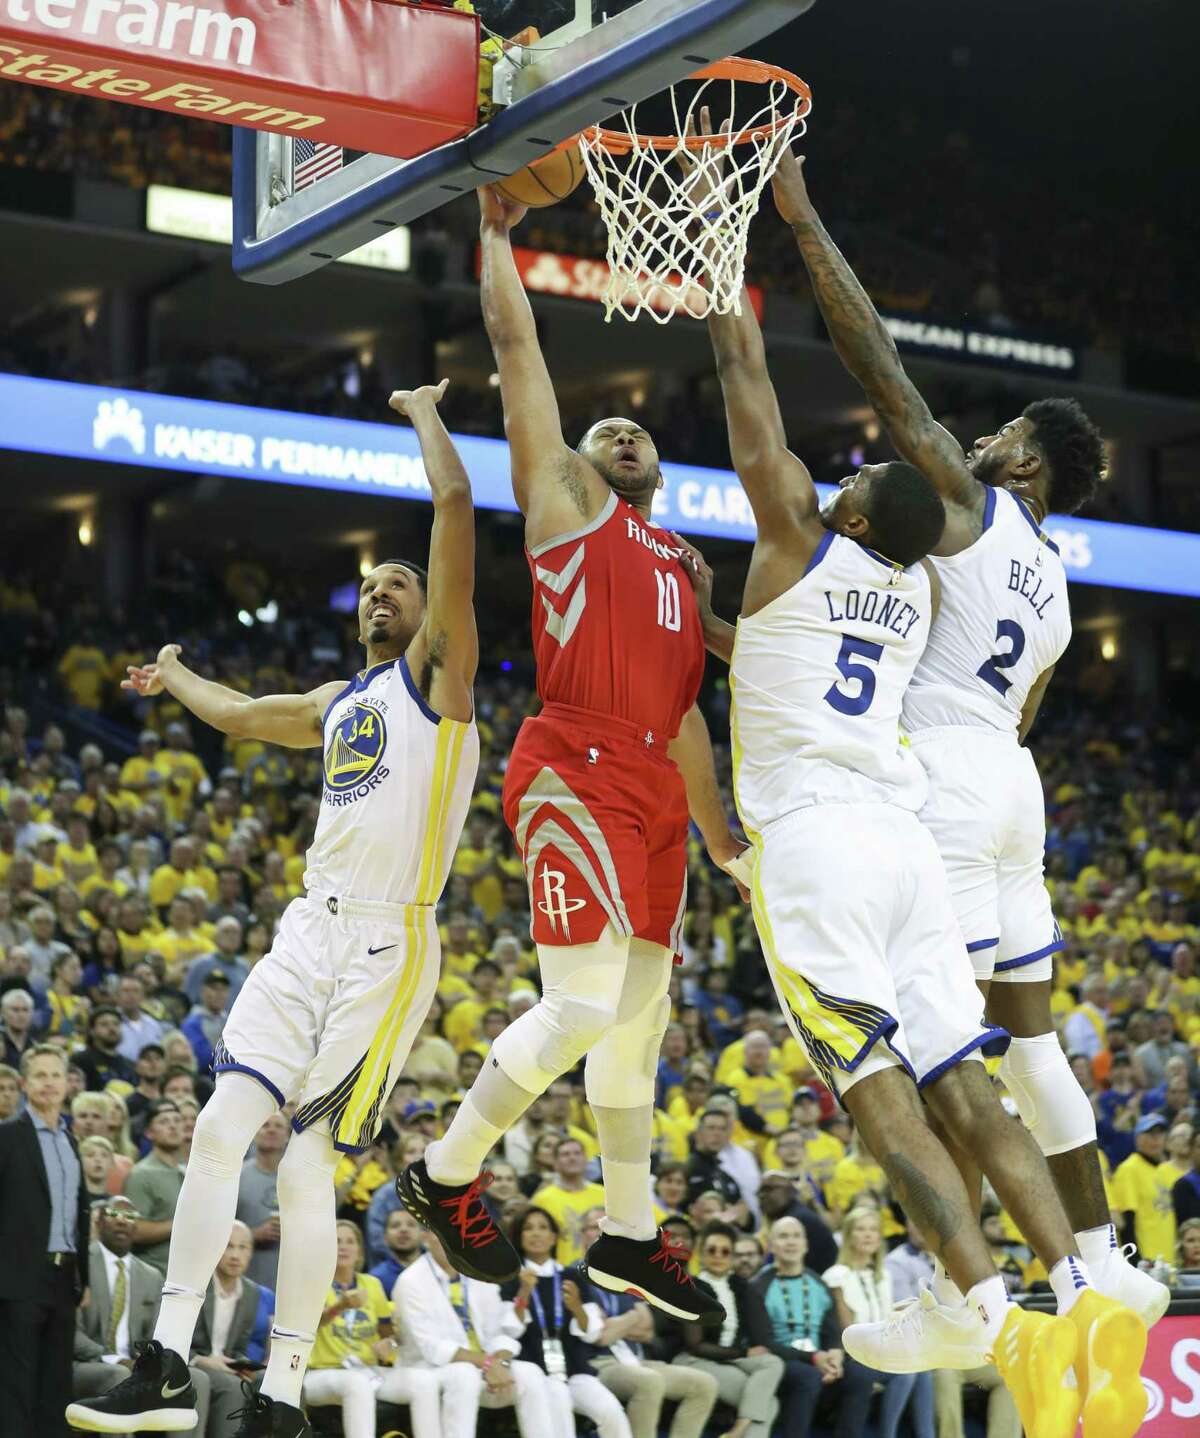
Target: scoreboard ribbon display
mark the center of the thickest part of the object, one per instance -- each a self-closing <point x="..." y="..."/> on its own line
<point x="195" y="436"/>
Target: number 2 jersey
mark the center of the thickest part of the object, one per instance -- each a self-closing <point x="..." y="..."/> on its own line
<point x="818" y="679"/>
<point x="1004" y="620"/>
<point x="615" y="625"/>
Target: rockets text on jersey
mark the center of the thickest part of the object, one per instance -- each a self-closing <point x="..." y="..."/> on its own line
<point x="615" y="625"/>
<point x="1004" y="620"/>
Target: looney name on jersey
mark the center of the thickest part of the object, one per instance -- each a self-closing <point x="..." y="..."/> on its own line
<point x="1023" y="579"/>
<point x="633" y="530"/>
<point x="873" y="606"/>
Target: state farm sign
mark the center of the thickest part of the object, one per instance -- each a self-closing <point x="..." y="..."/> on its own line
<point x="575" y="278"/>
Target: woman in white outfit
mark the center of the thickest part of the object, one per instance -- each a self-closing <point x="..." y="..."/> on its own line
<point x="559" y="1327"/>
<point x="350" y="1364"/>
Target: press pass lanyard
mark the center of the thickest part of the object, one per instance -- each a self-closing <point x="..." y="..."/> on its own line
<point x="553" y="1355"/>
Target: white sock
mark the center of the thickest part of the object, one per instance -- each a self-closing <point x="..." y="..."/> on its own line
<point x="1095" y="1244"/>
<point x="624" y="1135"/>
<point x="945" y="1290"/>
<point x="991" y="1301"/>
<point x="286" y="1365"/>
<point x="207" y="1202"/>
<point x="470" y="1138"/>
<point x="1069" y="1278"/>
<point x="307" y="1259"/>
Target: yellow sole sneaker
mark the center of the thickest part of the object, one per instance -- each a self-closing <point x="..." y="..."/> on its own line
<point x="1112" y="1345"/>
<point x="1035" y="1353"/>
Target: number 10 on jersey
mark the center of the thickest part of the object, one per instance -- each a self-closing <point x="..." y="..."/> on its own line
<point x="668" y="601"/>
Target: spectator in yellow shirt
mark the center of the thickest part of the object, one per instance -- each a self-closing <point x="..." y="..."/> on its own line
<point x="185" y="775"/>
<point x="46" y="873"/>
<point x="462" y="1023"/>
<point x="569" y="1197"/>
<point x="84" y="670"/>
<point x="459" y="954"/>
<point x="822" y="1152"/>
<point x="136" y="770"/>
<point x="181" y="871"/>
<point x="1142" y="1191"/>
<point x="76" y="856"/>
<point x="181" y="942"/>
<point x="759" y="1086"/>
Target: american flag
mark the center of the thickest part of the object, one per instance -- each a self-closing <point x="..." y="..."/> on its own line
<point x="313" y="161"/>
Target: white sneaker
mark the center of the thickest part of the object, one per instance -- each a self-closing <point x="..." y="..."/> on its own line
<point x="921" y="1334"/>
<point x="1116" y="1277"/>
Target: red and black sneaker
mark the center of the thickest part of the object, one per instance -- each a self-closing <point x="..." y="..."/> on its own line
<point x="460" y="1218"/>
<point x="654" y="1269"/>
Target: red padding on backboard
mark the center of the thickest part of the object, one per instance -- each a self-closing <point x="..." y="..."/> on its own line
<point x="376" y="75"/>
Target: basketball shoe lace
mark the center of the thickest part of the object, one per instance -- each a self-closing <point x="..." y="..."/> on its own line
<point x="469" y="1214"/>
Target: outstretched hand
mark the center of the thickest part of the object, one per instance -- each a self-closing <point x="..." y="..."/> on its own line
<point x="790" y="189"/>
<point x="498" y="210"/>
<point x="404" y="401"/>
<point x="147" y="679"/>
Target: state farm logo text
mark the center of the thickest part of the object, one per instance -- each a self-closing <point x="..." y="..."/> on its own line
<point x="147" y="24"/>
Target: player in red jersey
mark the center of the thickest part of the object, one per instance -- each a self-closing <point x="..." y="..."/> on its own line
<point x="597" y="793"/>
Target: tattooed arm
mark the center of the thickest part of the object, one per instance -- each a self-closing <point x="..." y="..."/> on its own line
<point x="867" y="349"/>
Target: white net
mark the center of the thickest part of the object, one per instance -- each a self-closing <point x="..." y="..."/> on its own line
<point x="678" y="215"/>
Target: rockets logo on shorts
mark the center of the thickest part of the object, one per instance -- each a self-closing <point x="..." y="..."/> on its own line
<point x="354" y="756"/>
<point x="554" y="903"/>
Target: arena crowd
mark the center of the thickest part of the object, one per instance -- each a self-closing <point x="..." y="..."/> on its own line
<point x="144" y="867"/>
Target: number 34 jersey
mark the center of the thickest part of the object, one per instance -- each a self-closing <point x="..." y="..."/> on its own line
<point x="615" y="625"/>
<point x="818" y="679"/>
<point x="1004" y="620"/>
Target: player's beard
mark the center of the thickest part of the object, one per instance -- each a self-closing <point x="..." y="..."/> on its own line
<point x="989" y="469"/>
<point x="631" y="487"/>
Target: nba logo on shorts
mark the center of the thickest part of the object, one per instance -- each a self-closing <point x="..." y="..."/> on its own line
<point x="554" y="902"/>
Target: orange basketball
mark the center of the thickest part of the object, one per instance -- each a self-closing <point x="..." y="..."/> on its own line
<point x="546" y="181"/>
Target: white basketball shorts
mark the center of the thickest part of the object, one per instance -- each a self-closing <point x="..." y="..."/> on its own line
<point x="987" y="815"/>
<point x="853" y="910"/>
<point x="327" y="1018"/>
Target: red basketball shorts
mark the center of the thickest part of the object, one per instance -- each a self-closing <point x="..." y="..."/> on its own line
<point x="600" y="820"/>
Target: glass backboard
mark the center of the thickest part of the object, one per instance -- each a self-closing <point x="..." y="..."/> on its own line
<point x="297" y="206"/>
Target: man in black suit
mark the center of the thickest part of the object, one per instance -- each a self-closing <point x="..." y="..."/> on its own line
<point x="44" y="1241"/>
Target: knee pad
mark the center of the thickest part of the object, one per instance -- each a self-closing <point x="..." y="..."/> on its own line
<point x="622" y="1067"/>
<point x="554" y="1035"/>
<point x="226" y="1125"/>
<point x="305" y="1175"/>
<point x="1053" y="1107"/>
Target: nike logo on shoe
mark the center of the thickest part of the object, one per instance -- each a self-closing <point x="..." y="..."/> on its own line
<point x="383" y="949"/>
<point x="168" y="1392"/>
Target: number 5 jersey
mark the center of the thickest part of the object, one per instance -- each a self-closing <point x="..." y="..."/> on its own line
<point x="818" y="678"/>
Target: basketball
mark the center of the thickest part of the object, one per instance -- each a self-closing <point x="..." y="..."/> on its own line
<point x="546" y="181"/>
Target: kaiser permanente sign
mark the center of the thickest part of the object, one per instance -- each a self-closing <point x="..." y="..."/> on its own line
<point x="196" y="436"/>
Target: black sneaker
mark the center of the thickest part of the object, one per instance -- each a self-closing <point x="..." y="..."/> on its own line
<point x="459" y="1217"/>
<point x="157" y="1397"/>
<point x="268" y="1418"/>
<point x="654" y="1269"/>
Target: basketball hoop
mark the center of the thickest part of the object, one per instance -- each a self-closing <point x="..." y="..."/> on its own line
<point x="678" y="207"/>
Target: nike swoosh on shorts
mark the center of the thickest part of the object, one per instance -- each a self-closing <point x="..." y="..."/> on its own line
<point x="383" y="949"/>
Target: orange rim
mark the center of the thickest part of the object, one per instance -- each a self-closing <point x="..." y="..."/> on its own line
<point x="733" y="67"/>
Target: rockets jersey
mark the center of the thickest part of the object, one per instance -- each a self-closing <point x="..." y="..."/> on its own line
<point x="615" y="624"/>
<point x="818" y="678"/>
<point x="398" y="782"/>
<point x="1004" y="620"/>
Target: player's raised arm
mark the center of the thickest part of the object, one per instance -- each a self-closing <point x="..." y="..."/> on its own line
<point x="444" y="653"/>
<point x="778" y="485"/>
<point x="866" y="348"/>
<point x="555" y="489"/>
<point x="293" y="720"/>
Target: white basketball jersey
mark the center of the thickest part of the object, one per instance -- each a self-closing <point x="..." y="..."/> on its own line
<point x="398" y="782"/>
<point x="1004" y="620"/>
<point x="818" y="678"/>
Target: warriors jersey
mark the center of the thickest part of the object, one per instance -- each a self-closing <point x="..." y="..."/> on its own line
<point x="615" y="625"/>
<point x="398" y="781"/>
<point x="818" y="678"/>
<point x="1004" y="620"/>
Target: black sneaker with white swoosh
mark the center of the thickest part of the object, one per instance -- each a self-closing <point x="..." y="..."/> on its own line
<point x="157" y="1397"/>
<point x="269" y="1418"/>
